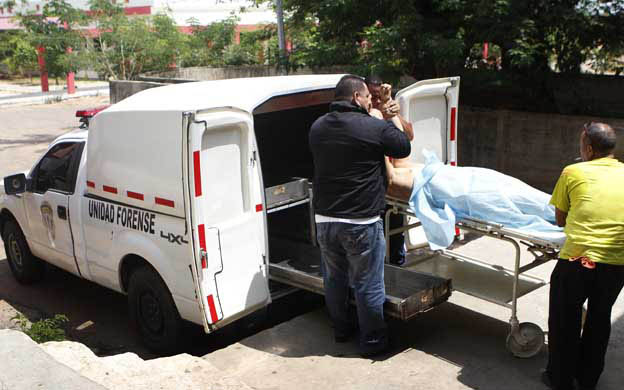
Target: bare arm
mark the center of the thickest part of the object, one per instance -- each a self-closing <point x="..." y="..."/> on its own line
<point x="560" y="216"/>
<point x="408" y="129"/>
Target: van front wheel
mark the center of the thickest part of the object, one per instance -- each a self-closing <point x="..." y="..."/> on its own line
<point x="153" y="311"/>
<point x="25" y="267"/>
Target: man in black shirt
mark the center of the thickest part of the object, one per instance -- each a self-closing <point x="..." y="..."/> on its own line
<point x="348" y="148"/>
<point x="388" y="107"/>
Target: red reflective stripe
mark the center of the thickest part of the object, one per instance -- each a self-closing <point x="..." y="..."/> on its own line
<point x="90" y="184"/>
<point x="259" y="207"/>
<point x="164" y="202"/>
<point x="112" y="190"/>
<point x="453" y="122"/>
<point x="453" y="163"/>
<point x="134" y="195"/>
<point x="213" y="309"/>
<point x="201" y="231"/>
<point x="196" y="167"/>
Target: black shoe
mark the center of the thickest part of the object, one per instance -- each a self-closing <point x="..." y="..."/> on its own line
<point x="398" y="262"/>
<point x="374" y="347"/>
<point x="548" y="382"/>
<point x="546" y="379"/>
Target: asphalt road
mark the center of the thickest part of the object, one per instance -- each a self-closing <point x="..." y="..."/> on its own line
<point x="459" y="345"/>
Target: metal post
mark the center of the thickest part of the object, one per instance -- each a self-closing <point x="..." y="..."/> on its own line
<point x="279" y="9"/>
<point x="71" y="86"/>
<point x="42" y="69"/>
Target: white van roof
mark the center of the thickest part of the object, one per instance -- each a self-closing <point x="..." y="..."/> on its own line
<point x="245" y="94"/>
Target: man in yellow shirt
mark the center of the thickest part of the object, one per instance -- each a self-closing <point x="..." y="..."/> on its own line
<point x="589" y="202"/>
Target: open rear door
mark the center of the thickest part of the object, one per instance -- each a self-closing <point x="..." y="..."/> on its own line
<point x="226" y="215"/>
<point x="431" y="107"/>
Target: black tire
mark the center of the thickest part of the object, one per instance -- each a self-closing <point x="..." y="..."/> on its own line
<point x="25" y="267"/>
<point x="153" y="312"/>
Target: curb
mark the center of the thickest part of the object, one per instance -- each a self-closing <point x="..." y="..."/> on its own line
<point x="52" y="97"/>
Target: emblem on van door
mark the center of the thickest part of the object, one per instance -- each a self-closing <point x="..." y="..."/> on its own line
<point x="48" y="219"/>
<point x="173" y="238"/>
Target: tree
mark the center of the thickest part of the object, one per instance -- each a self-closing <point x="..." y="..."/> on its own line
<point x="207" y="44"/>
<point x="429" y="38"/>
<point x="126" y="46"/>
<point x="22" y="58"/>
<point x="55" y="28"/>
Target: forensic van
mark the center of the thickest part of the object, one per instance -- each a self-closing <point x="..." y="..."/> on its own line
<point x="191" y="198"/>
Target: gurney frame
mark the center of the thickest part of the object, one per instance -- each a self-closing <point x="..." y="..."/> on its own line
<point x="524" y="339"/>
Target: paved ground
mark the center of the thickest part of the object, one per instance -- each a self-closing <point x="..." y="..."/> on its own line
<point x="26" y="131"/>
<point x="14" y="93"/>
<point x="459" y="345"/>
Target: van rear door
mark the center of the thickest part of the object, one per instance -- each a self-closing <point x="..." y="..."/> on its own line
<point x="431" y="107"/>
<point x="226" y="214"/>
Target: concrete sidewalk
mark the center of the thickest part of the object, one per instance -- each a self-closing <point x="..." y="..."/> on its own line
<point x="21" y="94"/>
<point x="26" y="366"/>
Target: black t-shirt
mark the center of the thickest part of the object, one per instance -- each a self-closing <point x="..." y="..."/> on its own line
<point x="348" y="147"/>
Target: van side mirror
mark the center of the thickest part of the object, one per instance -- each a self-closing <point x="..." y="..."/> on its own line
<point x="15" y="184"/>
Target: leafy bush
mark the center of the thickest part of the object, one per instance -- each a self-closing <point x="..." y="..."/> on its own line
<point x="44" y="330"/>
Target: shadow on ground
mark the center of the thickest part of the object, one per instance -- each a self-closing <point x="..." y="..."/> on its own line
<point x="98" y="316"/>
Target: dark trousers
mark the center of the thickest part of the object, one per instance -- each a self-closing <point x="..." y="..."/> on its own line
<point x="396" y="242"/>
<point x="353" y="256"/>
<point x="572" y="355"/>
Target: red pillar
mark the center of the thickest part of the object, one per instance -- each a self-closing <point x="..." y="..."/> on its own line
<point x="486" y="46"/>
<point x="42" y="69"/>
<point x="71" y="87"/>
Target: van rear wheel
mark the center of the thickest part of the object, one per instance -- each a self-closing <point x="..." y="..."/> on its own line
<point x="153" y="311"/>
<point x="25" y="267"/>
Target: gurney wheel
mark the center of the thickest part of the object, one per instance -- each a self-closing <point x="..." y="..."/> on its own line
<point x="527" y="341"/>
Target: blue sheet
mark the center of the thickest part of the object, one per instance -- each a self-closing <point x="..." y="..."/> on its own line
<point x="442" y="194"/>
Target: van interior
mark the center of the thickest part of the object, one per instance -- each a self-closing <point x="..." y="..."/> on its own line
<point x="282" y="126"/>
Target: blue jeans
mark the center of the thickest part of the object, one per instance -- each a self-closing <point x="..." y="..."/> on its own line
<point x="353" y="256"/>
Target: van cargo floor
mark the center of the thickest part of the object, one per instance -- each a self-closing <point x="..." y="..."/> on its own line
<point x="407" y="292"/>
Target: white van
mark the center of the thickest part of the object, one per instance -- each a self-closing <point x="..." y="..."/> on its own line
<point x="191" y="197"/>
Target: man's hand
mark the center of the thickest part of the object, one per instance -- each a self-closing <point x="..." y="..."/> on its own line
<point x="385" y="93"/>
<point x="390" y="109"/>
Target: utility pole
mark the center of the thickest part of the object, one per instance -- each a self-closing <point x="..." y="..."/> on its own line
<point x="279" y="9"/>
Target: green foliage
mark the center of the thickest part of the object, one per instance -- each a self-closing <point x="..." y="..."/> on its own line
<point x="55" y="29"/>
<point x="434" y="37"/>
<point x="128" y="46"/>
<point x="44" y="330"/>
<point x="207" y="44"/>
<point x="18" y="54"/>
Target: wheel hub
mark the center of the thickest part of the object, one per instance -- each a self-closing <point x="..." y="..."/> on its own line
<point x="16" y="253"/>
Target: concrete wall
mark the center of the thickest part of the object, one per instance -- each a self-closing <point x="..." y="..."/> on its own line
<point x="529" y="146"/>
<point x="233" y="72"/>
<point x="121" y="89"/>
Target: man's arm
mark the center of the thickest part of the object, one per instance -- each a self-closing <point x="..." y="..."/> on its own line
<point x="390" y="109"/>
<point x="394" y="141"/>
<point x="408" y="129"/>
<point x="561" y="199"/>
<point x="561" y="217"/>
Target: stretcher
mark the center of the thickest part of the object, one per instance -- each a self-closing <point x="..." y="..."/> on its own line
<point x="483" y="280"/>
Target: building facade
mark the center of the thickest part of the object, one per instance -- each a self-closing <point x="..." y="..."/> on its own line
<point x="204" y="11"/>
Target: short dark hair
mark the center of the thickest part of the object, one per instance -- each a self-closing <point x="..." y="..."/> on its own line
<point x="601" y="137"/>
<point x="347" y="86"/>
<point x="373" y="79"/>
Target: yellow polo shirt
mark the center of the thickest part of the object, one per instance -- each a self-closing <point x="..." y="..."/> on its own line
<point x="592" y="193"/>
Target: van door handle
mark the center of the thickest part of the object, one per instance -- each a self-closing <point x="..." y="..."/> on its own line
<point x="62" y="212"/>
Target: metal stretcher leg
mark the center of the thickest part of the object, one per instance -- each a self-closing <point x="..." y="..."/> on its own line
<point x="525" y="339"/>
